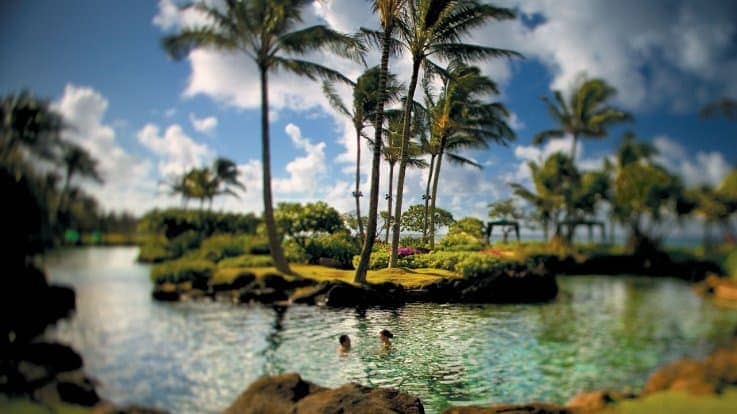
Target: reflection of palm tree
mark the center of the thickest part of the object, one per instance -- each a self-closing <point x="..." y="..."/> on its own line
<point x="274" y="340"/>
<point x="726" y="107"/>
<point x="435" y="28"/>
<point x="261" y="31"/>
<point x="584" y="115"/>
<point x="365" y="100"/>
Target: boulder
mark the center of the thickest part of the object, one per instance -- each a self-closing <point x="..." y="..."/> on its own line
<point x="683" y="374"/>
<point x="55" y="357"/>
<point x="166" y="292"/>
<point x="78" y="392"/>
<point x="592" y="402"/>
<point x="242" y="280"/>
<point x="354" y="398"/>
<point x="275" y="394"/>
<point x="531" y="408"/>
<point x="262" y="295"/>
<point x="289" y="393"/>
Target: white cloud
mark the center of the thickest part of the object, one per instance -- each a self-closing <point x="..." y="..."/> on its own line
<point x="177" y="152"/>
<point x="205" y="125"/>
<point x="306" y="173"/>
<point x="695" y="169"/>
<point x="129" y="182"/>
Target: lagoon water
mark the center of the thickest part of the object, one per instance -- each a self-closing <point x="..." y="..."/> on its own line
<point x="196" y="357"/>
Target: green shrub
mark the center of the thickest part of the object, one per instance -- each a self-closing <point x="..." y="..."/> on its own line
<point x="221" y="246"/>
<point x="256" y="245"/>
<point x="730" y="264"/>
<point x="197" y="271"/>
<point x="458" y="241"/>
<point x="173" y="222"/>
<point x="247" y="260"/>
<point x="155" y="250"/>
<point x="414" y="242"/>
<point x="294" y="252"/>
<point x="340" y="247"/>
<point x="475" y="265"/>
<point x="378" y="260"/>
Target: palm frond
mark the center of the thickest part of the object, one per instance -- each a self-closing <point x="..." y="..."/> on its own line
<point x="311" y="70"/>
<point x="542" y="137"/>
<point x="321" y="37"/>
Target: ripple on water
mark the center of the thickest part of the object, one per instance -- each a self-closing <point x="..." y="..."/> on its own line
<point x="197" y="357"/>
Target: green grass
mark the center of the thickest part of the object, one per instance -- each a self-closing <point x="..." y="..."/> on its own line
<point x="405" y="277"/>
<point x="677" y="402"/>
<point x="25" y="406"/>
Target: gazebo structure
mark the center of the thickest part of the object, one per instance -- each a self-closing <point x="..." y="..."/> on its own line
<point x="506" y="225"/>
<point x="590" y="224"/>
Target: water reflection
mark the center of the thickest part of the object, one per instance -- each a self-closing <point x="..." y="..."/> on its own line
<point x="197" y="357"/>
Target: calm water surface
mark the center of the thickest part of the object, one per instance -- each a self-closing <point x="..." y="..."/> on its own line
<point x="198" y="356"/>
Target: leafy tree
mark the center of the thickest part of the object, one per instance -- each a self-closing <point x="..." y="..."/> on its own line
<point x="264" y="31"/>
<point x="436" y="28"/>
<point x="77" y="162"/>
<point x="584" y="115"/>
<point x="713" y="207"/>
<point x="469" y="225"/>
<point x="505" y="210"/>
<point x="413" y="219"/>
<point x="302" y="221"/>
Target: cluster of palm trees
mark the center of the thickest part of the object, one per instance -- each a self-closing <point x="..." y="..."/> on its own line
<point x="32" y="149"/>
<point x="266" y="32"/>
<point x="639" y="192"/>
<point x="205" y="183"/>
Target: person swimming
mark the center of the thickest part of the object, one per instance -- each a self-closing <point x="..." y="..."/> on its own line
<point x="345" y="343"/>
<point x="385" y="337"/>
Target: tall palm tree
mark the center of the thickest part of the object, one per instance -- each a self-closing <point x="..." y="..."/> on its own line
<point x="460" y="120"/>
<point x="392" y="152"/>
<point x="388" y="11"/>
<point x="362" y="113"/>
<point x="225" y="178"/>
<point x="77" y="162"/>
<point x="585" y="114"/>
<point x="265" y="32"/>
<point x="436" y="27"/>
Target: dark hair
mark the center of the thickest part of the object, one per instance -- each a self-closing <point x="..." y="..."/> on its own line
<point x="343" y="339"/>
<point x="385" y="332"/>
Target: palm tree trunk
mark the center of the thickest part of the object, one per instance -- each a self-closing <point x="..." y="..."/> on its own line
<point x="404" y="154"/>
<point x="368" y="242"/>
<point x="434" y="196"/>
<point x="573" y="149"/>
<point x="280" y="262"/>
<point x="358" y="182"/>
<point x="389" y="201"/>
<point x="427" y="198"/>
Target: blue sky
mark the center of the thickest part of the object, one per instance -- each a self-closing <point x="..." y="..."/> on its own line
<point x="147" y="117"/>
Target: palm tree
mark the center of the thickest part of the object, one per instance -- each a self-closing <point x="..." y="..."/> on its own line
<point x="392" y="152"/>
<point x="459" y="120"/>
<point x="225" y="177"/>
<point x="365" y="97"/>
<point x="585" y="114"/>
<point x="436" y="27"/>
<point x="28" y="123"/>
<point x="388" y="11"/>
<point x="264" y="31"/>
<point x="725" y="106"/>
<point x="77" y="162"/>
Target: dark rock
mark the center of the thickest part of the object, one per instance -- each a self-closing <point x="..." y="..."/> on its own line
<point x="166" y="292"/>
<point x="107" y="408"/>
<point x="683" y="374"/>
<point x="289" y="393"/>
<point x="354" y="398"/>
<point x="275" y="394"/>
<point x="592" y="402"/>
<point x="55" y="357"/>
<point x="78" y="392"/>
<point x="335" y="264"/>
<point x="531" y="408"/>
<point x="242" y="280"/>
<point x="262" y="295"/>
<point x="341" y="294"/>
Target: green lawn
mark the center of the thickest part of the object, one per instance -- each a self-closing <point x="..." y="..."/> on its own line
<point x="678" y="402"/>
<point x="405" y="277"/>
<point x="25" y="406"/>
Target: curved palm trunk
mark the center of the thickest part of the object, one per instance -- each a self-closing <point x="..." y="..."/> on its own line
<point x="280" y="262"/>
<point x="427" y="198"/>
<point x="358" y="182"/>
<point x="403" y="161"/>
<point x="368" y="242"/>
<point x="573" y="149"/>
<point x="434" y="195"/>
<point x="389" y="201"/>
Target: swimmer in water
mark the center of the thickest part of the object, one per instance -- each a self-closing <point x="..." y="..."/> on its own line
<point x="345" y="343"/>
<point x="385" y="337"/>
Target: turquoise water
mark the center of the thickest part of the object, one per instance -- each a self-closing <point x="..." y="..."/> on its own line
<point x="192" y="357"/>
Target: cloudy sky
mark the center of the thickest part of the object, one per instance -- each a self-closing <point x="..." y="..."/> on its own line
<point x="146" y="117"/>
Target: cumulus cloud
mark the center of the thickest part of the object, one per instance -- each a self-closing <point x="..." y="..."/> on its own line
<point x="305" y="172"/>
<point x="695" y="169"/>
<point x="129" y="182"/>
<point x="176" y="151"/>
<point x="205" y="125"/>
